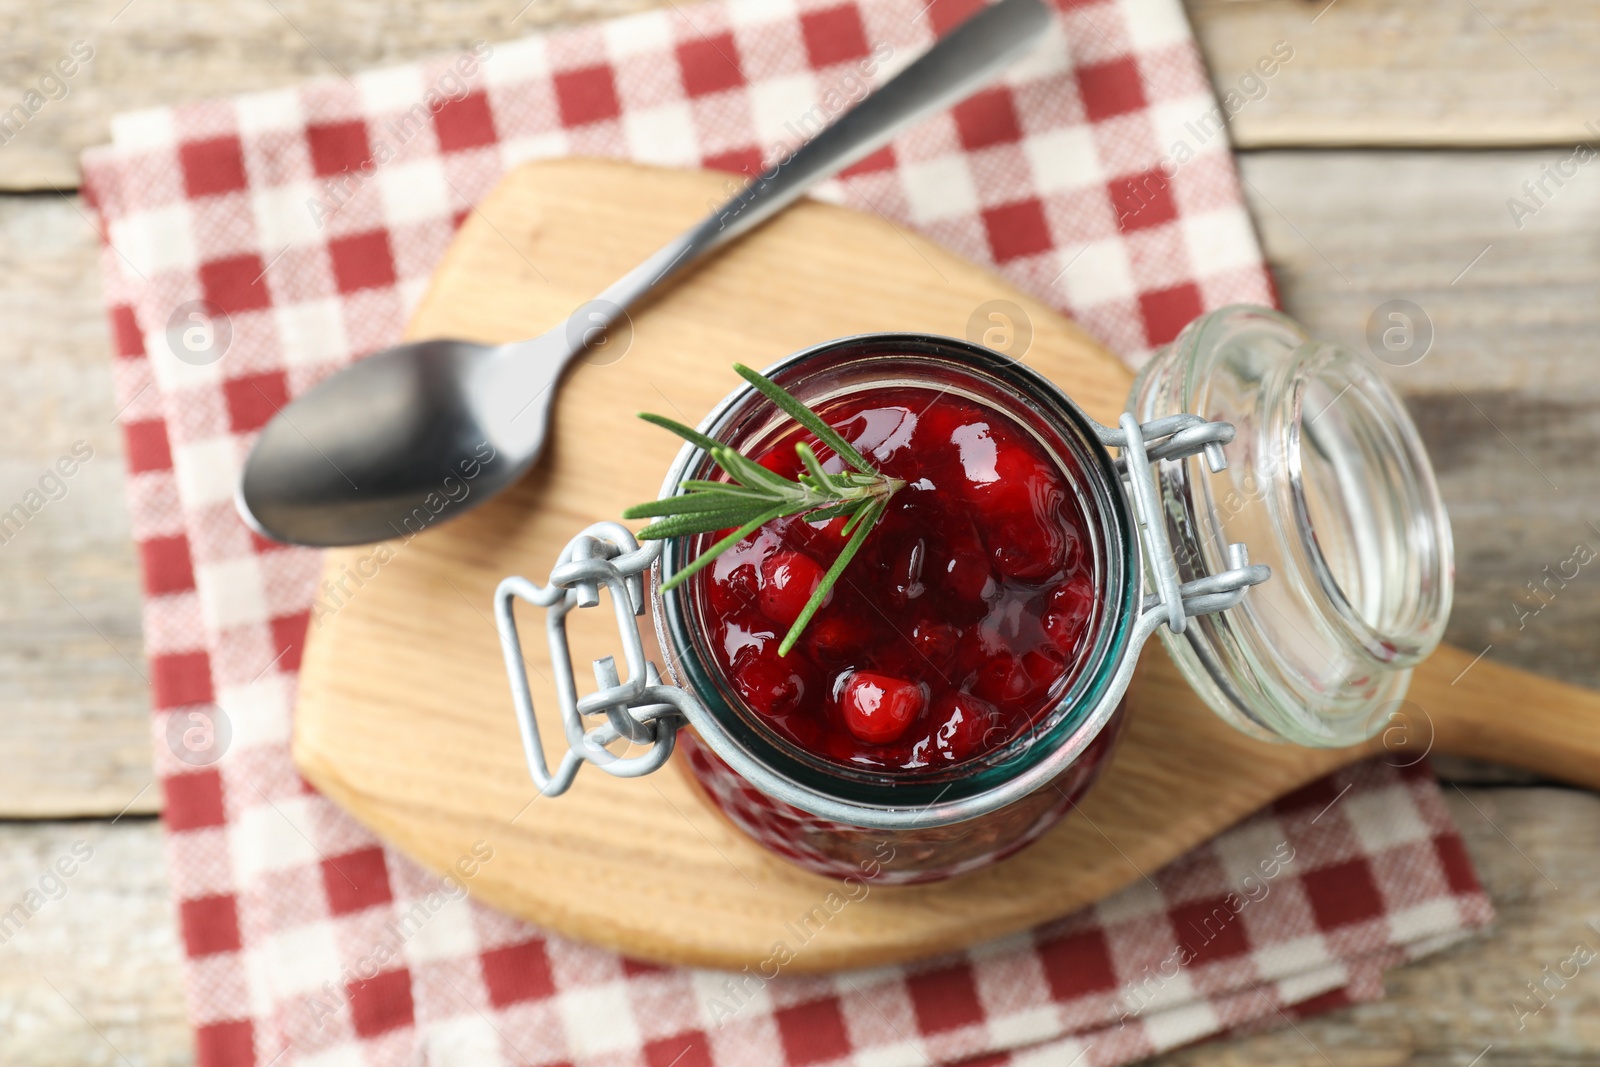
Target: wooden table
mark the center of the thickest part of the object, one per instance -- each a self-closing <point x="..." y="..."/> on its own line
<point x="1378" y="166"/>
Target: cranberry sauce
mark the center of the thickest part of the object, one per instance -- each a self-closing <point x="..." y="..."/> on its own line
<point x="960" y="622"/>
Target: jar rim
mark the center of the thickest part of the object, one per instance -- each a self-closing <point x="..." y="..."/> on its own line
<point x="1405" y="634"/>
<point x="971" y="788"/>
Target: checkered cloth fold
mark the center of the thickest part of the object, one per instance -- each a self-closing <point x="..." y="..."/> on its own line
<point x="1095" y="176"/>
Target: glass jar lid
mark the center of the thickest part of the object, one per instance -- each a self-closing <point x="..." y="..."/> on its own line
<point x="1328" y="483"/>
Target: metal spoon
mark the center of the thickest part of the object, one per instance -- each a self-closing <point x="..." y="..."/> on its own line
<point x="422" y="432"/>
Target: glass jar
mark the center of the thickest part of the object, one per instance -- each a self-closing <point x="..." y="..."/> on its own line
<point x="834" y="819"/>
<point x="1156" y="566"/>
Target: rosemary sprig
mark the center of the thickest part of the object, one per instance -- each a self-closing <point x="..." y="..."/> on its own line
<point x="754" y="496"/>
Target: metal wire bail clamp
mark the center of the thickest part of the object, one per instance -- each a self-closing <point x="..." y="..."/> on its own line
<point x="640" y="709"/>
<point x="1177" y="437"/>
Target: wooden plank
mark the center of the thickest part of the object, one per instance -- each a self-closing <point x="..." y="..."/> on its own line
<point x="1370" y="72"/>
<point x="1363" y="72"/>
<point x="89" y="971"/>
<point x="74" y="738"/>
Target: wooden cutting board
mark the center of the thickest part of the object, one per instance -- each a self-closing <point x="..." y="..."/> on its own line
<point x="405" y="716"/>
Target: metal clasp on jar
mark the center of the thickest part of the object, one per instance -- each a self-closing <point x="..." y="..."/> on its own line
<point x="1176" y="437"/>
<point x="640" y="709"/>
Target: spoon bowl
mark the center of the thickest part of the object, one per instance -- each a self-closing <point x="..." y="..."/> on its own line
<point x="410" y="436"/>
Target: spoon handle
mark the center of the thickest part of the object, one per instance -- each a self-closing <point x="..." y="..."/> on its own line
<point x="956" y="66"/>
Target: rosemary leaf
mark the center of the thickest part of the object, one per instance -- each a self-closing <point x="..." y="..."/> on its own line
<point x="689" y="525"/>
<point x="833" y="512"/>
<point x="812" y="463"/>
<point x="732" y="488"/>
<point x="851" y="523"/>
<point x="748" y="472"/>
<point x="806" y="417"/>
<point x="693" y="503"/>
<point x="688" y="433"/>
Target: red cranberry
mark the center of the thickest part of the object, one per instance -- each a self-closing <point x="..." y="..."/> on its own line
<point x="962" y="727"/>
<point x="1002" y="679"/>
<point x="1027" y="548"/>
<point x="1044" y="665"/>
<point x="878" y="708"/>
<point x="787" y="581"/>
<point x="735" y="587"/>
<point x="957" y="563"/>
<point x="1074" y="597"/>
<point x="745" y="635"/>
<point x="937" y="424"/>
<point x="736" y="574"/>
<point x="837" y="640"/>
<point x="878" y="432"/>
<point x="769" y="684"/>
<point x="935" y="642"/>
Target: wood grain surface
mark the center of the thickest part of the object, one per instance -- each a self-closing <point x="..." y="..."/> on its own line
<point x="73" y="736"/>
<point x="1514" y="339"/>
<point x="403" y="715"/>
<point x="1441" y="72"/>
<point x="91" y="977"/>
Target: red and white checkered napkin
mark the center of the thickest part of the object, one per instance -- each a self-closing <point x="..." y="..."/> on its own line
<point x="312" y="217"/>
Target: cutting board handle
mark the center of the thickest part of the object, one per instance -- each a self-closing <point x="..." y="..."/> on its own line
<point x="1492" y="712"/>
